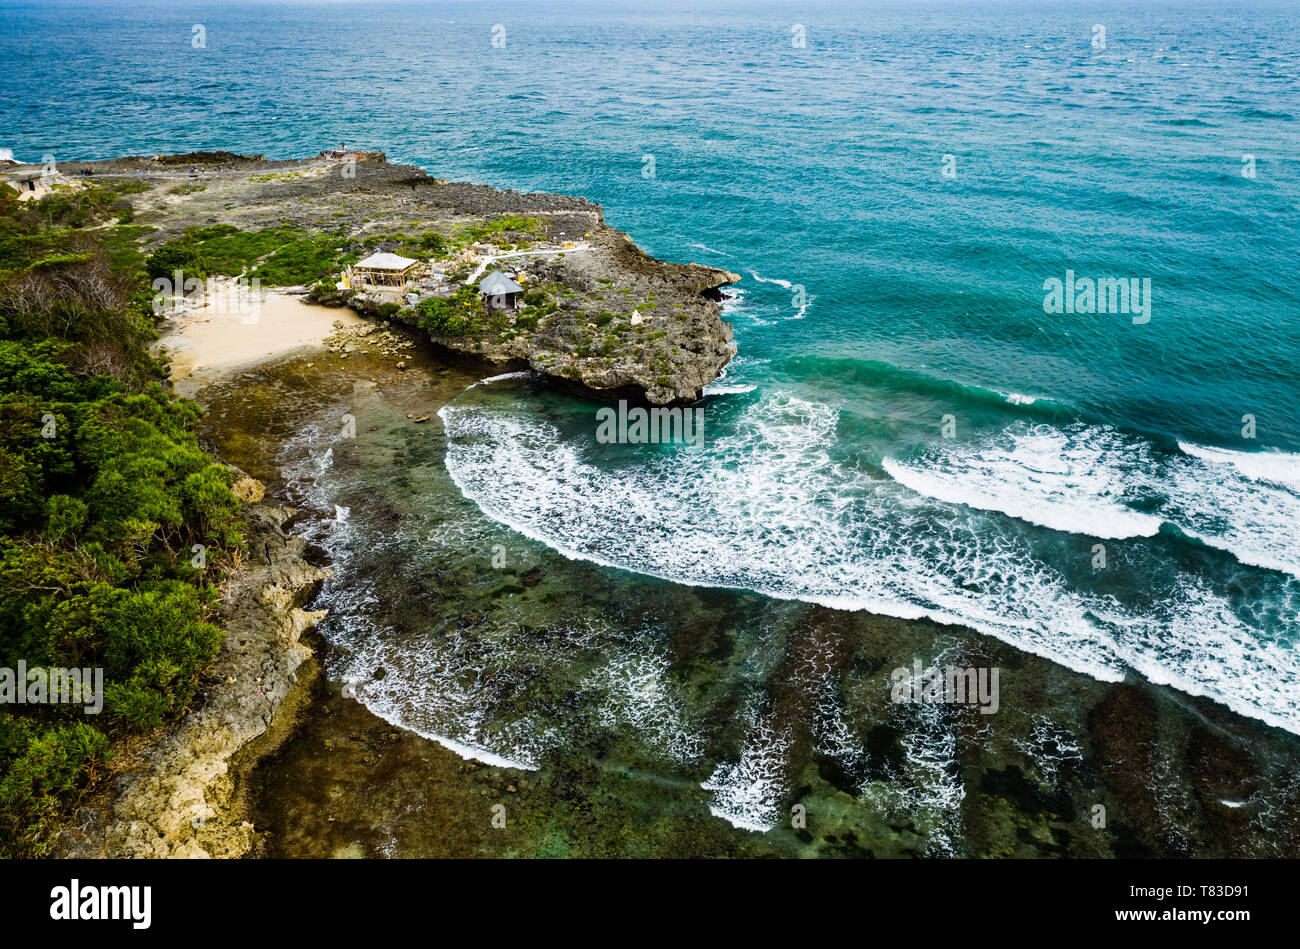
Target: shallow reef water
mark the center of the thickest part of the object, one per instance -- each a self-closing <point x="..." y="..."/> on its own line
<point x="487" y="695"/>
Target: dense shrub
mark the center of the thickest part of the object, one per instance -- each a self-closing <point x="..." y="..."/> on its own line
<point x="433" y="244"/>
<point x="277" y="256"/>
<point x="185" y="255"/>
<point x="457" y="315"/>
<point x="104" y="491"/>
<point x="501" y="230"/>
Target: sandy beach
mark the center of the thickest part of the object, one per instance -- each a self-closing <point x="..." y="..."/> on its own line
<point x="230" y="328"/>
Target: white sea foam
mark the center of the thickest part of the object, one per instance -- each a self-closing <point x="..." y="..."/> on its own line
<point x="1196" y="644"/>
<point x="1016" y="398"/>
<point x="1245" y="503"/>
<point x="1068" y="480"/>
<point x="710" y="250"/>
<point x="1049" y="746"/>
<point x="724" y="388"/>
<point x="398" y="717"/>
<point x="522" y="374"/>
<point x="1099" y="482"/>
<point x="1275" y="467"/>
<point x="786" y="284"/>
<point x="776" y="280"/>
<point x="725" y="385"/>
<point x="747" y="793"/>
<point x="639" y="696"/>
<point x="450" y="686"/>
<point x="929" y="791"/>
<point x="736" y="307"/>
<point x="767" y="508"/>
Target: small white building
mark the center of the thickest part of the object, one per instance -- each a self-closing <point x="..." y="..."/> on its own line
<point x="500" y="291"/>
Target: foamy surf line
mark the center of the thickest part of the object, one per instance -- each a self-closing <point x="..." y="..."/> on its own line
<point x="1106" y="521"/>
<point x="1277" y="467"/>
<point x="711" y="250"/>
<point x="787" y="285"/>
<point x="468" y="752"/>
<point x="648" y="521"/>
<point x="521" y="374"/>
<point x="1090" y="481"/>
<point x="734" y="388"/>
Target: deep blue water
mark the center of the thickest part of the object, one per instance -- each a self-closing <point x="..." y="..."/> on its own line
<point x="826" y="475"/>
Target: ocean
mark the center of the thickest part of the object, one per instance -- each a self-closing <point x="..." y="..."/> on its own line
<point x="913" y="428"/>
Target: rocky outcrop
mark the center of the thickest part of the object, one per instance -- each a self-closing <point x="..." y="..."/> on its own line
<point x="183" y="797"/>
<point x="624" y="325"/>
<point x="603" y="317"/>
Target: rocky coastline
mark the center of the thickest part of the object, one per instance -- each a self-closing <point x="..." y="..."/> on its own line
<point x="182" y="794"/>
<point x="616" y="324"/>
<point x="597" y="315"/>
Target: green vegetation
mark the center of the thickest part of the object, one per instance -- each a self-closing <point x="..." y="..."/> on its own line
<point x="106" y="502"/>
<point x="500" y="230"/>
<point x="458" y="315"/>
<point x="278" y="256"/>
<point x="428" y="244"/>
<point x="537" y="304"/>
<point x="128" y="186"/>
<point x="78" y="207"/>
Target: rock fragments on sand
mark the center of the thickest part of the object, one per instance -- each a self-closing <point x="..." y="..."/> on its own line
<point x="348" y="339"/>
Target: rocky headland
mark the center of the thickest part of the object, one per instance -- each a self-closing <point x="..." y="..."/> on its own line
<point x="595" y="314"/>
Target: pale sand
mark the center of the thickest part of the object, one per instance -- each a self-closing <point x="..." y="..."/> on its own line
<point x="228" y="331"/>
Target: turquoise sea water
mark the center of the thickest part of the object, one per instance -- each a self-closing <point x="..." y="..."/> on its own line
<point x="826" y="475"/>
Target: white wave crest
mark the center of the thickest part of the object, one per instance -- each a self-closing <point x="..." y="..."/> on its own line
<point x="1066" y="480"/>
<point x="768" y="508"/>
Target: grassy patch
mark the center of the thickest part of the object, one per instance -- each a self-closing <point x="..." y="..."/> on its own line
<point x="278" y="256"/>
<point x="506" y="229"/>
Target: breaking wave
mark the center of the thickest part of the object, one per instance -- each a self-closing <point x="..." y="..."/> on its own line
<point x="1099" y="482"/>
<point x="768" y="507"/>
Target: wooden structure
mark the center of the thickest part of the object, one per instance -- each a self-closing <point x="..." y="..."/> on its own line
<point x="385" y="270"/>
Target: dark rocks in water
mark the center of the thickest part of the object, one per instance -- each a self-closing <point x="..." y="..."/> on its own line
<point x="819" y="649"/>
<point x="380" y="672"/>
<point x="1224" y="778"/>
<point x="1123" y="729"/>
<point x="1011" y="784"/>
<point x="842" y="774"/>
<point x="885" y="756"/>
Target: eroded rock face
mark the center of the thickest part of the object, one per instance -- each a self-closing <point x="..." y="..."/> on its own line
<point x="181" y="797"/>
<point x="627" y="326"/>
